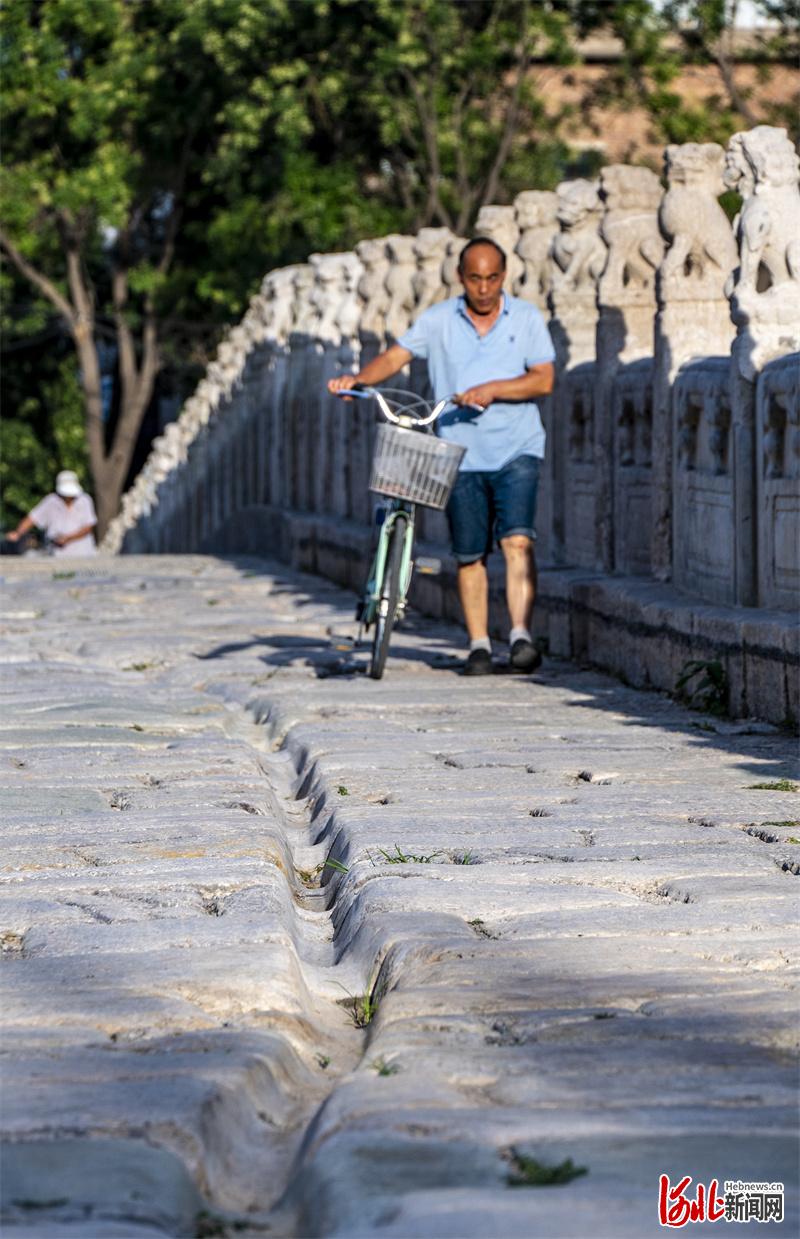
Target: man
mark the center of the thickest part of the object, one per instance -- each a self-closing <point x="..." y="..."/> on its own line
<point x="496" y="352"/>
<point x="66" y="517"/>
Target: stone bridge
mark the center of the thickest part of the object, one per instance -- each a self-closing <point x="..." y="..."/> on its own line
<point x="669" y="522"/>
<point x="289" y="954"/>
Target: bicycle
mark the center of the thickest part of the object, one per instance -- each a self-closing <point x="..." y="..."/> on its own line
<point x="410" y="466"/>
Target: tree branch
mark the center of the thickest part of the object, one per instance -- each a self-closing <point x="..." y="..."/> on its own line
<point x="510" y="126"/>
<point x="740" y="104"/>
<point x="46" y="287"/>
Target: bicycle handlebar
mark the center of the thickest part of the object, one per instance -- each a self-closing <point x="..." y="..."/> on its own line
<point x="370" y="393"/>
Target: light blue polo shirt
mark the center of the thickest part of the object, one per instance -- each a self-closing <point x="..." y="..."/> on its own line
<point x="458" y="358"/>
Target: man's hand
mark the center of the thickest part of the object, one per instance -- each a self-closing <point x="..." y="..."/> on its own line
<point x="13" y="536"/>
<point x="343" y="383"/>
<point x="482" y="395"/>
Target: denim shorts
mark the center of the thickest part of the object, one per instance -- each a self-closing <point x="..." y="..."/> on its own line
<point x="485" y="506"/>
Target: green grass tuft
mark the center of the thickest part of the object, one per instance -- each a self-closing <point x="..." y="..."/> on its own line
<point x="399" y="857"/>
<point x="777" y="785"/>
<point x="528" y="1172"/>
<point x="703" y="685"/>
<point x="383" y="1068"/>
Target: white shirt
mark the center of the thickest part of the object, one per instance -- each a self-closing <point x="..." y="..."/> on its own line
<point x="57" y="518"/>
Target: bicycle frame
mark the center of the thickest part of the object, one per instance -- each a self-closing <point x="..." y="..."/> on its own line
<point x="372" y="591"/>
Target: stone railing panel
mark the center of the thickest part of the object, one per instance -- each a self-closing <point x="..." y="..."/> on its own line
<point x="703" y="510"/>
<point x="778" y="483"/>
<point x="632" y="411"/>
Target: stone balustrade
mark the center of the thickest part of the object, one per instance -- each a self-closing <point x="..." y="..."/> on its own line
<point x="674" y="428"/>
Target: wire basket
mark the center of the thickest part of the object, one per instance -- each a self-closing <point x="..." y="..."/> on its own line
<point x="408" y="464"/>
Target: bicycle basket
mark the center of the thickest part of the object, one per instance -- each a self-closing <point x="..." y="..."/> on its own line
<point x="410" y="465"/>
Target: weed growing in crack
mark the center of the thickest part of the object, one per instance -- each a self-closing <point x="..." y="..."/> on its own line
<point x="144" y="666"/>
<point x="207" y="1226"/>
<point x="528" y="1172"/>
<point x="342" y="790"/>
<point x="309" y="876"/>
<point x="365" y="1008"/>
<point x="331" y="863"/>
<point x="399" y="857"/>
<point x="778" y="785"/>
<point x="539" y="813"/>
<point x="480" y="928"/>
<point x="710" y="690"/>
<point x="464" y="858"/>
<point x="324" y="1061"/>
<point x="62" y="576"/>
<point x="383" y="1068"/>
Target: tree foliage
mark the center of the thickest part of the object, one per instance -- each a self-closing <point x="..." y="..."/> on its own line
<point x="161" y="155"/>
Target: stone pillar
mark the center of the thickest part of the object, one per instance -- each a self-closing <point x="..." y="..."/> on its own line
<point x="499" y="223"/>
<point x="765" y="306"/>
<point x="374" y="296"/>
<point x="399" y="285"/>
<point x="430" y="248"/>
<point x="279" y="288"/>
<point x="372" y="335"/>
<point x="692" y="320"/>
<point x="578" y="256"/>
<point x="627" y="305"/>
<point x="450" y="280"/>
<point x="300" y="438"/>
<point x="339" y="306"/>
<point x="535" y="213"/>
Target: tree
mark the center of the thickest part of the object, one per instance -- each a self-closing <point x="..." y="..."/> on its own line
<point x="659" y="41"/>
<point x="130" y="129"/>
<point x="444" y="94"/>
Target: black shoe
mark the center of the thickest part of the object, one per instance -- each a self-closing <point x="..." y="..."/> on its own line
<point x="525" y="656"/>
<point x="478" y="663"/>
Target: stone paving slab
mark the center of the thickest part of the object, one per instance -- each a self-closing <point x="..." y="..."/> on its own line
<point x="571" y="911"/>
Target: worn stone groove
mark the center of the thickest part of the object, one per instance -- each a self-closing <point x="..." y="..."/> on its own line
<point x="179" y="973"/>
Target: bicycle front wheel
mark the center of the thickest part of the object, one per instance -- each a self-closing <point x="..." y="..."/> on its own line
<point x="389" y="596"/>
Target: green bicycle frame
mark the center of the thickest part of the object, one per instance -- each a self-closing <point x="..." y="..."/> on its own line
<point x="372" y="593"/>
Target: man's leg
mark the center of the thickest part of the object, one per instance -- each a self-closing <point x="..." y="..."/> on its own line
<point x="473" y="593"/>
<point x="469" y="517"/>
<point x="514" y="492"/>
<point x="520" y="579"/>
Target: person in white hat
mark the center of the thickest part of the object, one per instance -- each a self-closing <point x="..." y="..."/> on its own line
<point x="67" y="518"/>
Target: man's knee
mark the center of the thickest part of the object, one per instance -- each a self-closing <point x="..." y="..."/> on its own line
<point x="472" y="567"/>
<point x="516" y="544"/>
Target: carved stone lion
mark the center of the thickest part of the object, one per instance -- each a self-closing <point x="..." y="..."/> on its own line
<point x="536" y="219"/>
<point x="304" y="311"/>
<point x="577" y="250"/>
<point x="630" y="229"/>
<point x="765" y="288"/>
<point x="399" y="283"/>
<point x="500" y="225"/>
<point x="702" y="252"/>
<point x="372" y="285"/>
<point x="430" y="248"/>
<point x="450" y="280"/>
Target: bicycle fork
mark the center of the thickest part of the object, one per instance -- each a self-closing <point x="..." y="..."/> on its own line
<point x="372" y="600"/>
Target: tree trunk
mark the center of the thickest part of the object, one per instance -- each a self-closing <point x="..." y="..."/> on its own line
<point x="109" y="469"/>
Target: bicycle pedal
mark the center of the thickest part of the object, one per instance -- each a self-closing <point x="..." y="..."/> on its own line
<point x="428" y="565"/>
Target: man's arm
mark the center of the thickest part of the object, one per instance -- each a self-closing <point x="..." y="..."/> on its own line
<point x="25" y="526"/>
<point x="376" y="371"/>
<point x="537" y="381"/>
<point x="64" y="538"/>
